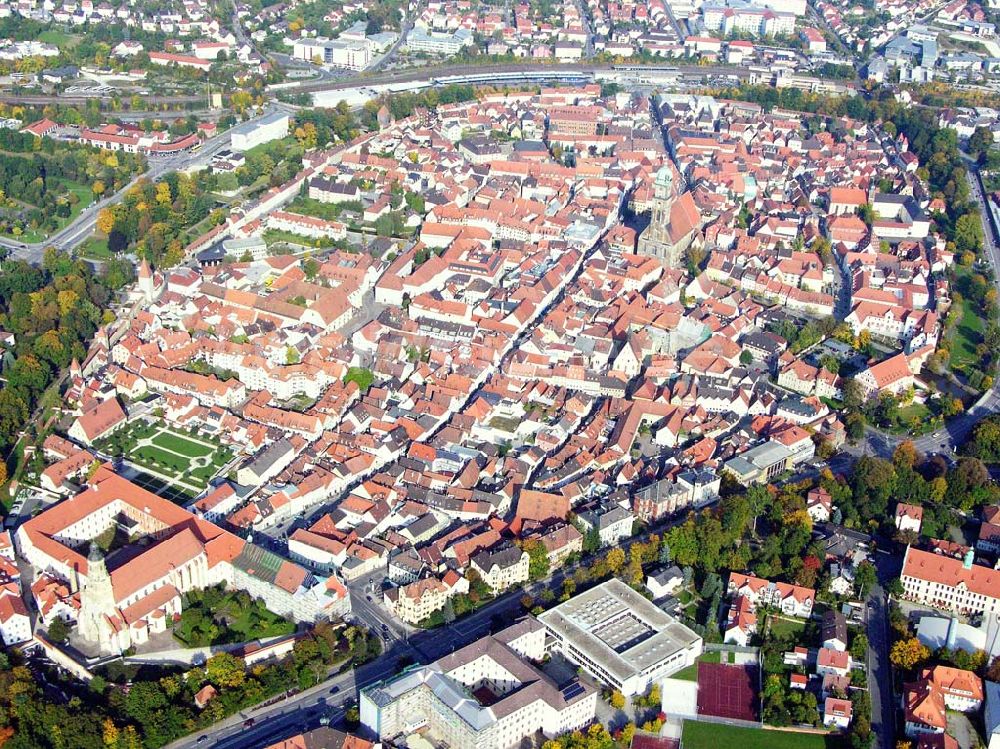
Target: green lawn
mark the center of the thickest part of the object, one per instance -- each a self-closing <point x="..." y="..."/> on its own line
<point x="160" y="460"/>
<point x="94" y="248"/>
<point x="86" y="197"/>
<point x="59" y="38"/>
<point x="216" y="617"/>
<point x="968" y="335"/>
<point x="277" y="236"/>
<point x="691" y="672"/>
<point x="786" y="629"/>
<point x="328" y="211"/>
<point x="178" y="444"/>
<point x="172" y="454"/>
<point x="713" y="735"/>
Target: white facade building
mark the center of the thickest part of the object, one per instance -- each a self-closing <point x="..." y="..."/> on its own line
<point x="619" y="637"/>
<point x="269" y="128"/>
<point x="486" y="695"/>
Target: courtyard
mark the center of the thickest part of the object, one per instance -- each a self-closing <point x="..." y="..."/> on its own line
<point x="169" y="461"/>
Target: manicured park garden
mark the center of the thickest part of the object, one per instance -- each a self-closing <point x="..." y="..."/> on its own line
<point x="214" y="616"/>
<point x="171" y="461"/>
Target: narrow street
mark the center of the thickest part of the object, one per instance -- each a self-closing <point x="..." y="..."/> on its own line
<point x="880" y="686"/>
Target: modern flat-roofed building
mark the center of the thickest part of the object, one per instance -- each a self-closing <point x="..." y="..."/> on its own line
<point x="264" y="130"/>
<point x="759" y="464"/>
<point x="487" y="695"/>
<point x="621" y="638"/>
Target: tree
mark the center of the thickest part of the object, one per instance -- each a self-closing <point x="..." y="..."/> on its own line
<point x="111" y="734"/>
<point x="117" y="242"/>
<point x="864" y="578"/>
<point x="617" y="700"/>
<point x="894" y="588"/>
<point x="225" y="670"/>
<point x="538" y="559"/>
<point x="980" y="142"/>
<point x="615" y="560"/>
<point x="363" y="377"/>
<point x="448" y="612"/>
<point x="908" y="653"/>
<point x="105" y="221"/>
<point x="859" y="647"/>
<point x="591" y="540"/>
<point x="58" y="631"/>
<point x="968" y="233"/>
<point x="665" y="557"/>
<point x="853" y="394"/>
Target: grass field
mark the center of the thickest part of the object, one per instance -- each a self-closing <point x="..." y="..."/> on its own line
<point x="786" y="628"/>
<point x="215" y="617"/>
<point x="94" y="248"/>
<point x="691" y="672"/>
<point x="86" y="197"/>
<point x="179" y="444"/>
<point x="59" y="38"/>
<point x="969" y="329"/>
<point x="192" y="461"/>
<point x="161" y="460"/>
<point x="968" y="335"/>
<point x="713" y="735"/>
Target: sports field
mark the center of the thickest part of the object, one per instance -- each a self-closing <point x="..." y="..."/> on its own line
<point x="726" y="691"/>
<point x="714" y="735"/>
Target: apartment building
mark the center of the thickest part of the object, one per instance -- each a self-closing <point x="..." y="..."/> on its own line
<point x="793" y="600"/>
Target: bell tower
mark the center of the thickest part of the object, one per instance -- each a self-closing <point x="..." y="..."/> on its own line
<point x="97" y="599"/>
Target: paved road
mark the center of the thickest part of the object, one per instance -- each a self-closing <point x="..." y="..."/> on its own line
<point x="82" y="226"/>
<point x="879" y="669"/>
<point x="404" y="31"/>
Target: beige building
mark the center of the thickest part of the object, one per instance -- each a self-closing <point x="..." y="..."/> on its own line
<point x="137" y="590"/>
<point x="415" y="602"/>
<point x="501" y="567"/>
<point x="620" y="637"/>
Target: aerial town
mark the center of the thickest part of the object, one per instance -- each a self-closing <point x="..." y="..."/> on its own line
<point x="477" y="375"/>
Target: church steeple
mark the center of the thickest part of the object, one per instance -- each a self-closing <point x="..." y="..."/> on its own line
<point x="146" y="281"/>
<point x="97" y="598"/>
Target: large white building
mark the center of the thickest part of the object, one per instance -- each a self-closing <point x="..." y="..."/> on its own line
<point x="487" y="695"/>
<point x="950" y="584"/>
<point x="340" y="53"/>
<point x="619" y="637"/>
<point x="266" y="129"/>
<point x="438" y="42"/>
<point x="750" y="20"/>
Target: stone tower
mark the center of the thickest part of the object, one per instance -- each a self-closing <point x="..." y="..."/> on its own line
<point x="97" y="599"/>
<point x="145" y="279"/>
<point x="656" y="240"/>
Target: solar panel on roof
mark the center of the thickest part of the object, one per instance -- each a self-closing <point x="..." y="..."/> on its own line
<point x="573" y="690"/>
